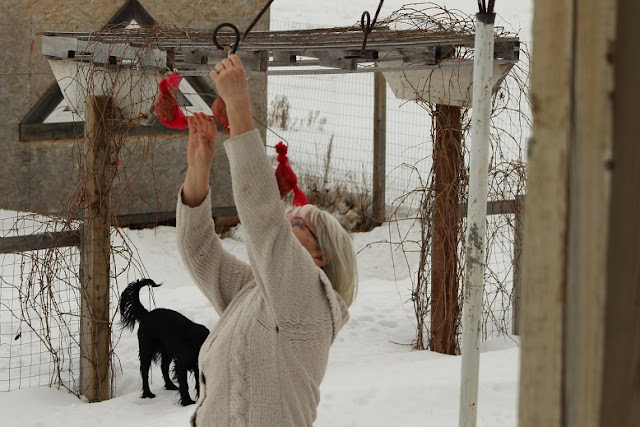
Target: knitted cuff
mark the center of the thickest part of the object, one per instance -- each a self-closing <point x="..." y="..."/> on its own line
<point x="191" y="217"/>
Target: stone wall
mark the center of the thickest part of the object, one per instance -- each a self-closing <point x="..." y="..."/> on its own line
<point x="41" y="176"/>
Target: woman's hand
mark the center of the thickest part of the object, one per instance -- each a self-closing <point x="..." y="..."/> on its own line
<point x="231" y="83"/>
<point x="202" y="141"/>
<point x="200" y="153"/>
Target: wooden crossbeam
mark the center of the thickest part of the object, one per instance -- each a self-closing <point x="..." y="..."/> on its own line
<point x="34" y="242"/>
<point x="333" y="50"/>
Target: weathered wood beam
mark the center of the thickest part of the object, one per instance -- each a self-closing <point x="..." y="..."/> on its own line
<point x="379" y="149"/>
<point x="621" y="388"/>
<point x="335" y="59"/>
<point x="125" y="45"/>
<point x="95" y="331"/>
<point x="448" y="162"/>
<point x="59" y="46"/>
<point x="36" y="242"/>
<point x="496" y="207"/>
<point x="566" y="238"/>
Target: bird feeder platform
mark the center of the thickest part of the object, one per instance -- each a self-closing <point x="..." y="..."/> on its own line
<point x="132" y="61"/>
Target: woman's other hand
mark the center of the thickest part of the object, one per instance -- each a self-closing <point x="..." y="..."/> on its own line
<point x="202" y="141"/>
<point x="200" y="153"/>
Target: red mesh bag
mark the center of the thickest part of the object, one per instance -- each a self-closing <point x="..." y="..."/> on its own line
<point x="167" y="109"/>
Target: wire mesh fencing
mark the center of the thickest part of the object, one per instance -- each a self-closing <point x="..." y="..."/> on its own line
<point x="328" y="121"/>
<point x="39" y="308"/>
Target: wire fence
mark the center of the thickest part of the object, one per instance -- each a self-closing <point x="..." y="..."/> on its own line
<point x="39" y="310"/>
<point x="498" y="309"/>
<point x="41" y="300"/>
<point x="327" y="121"/>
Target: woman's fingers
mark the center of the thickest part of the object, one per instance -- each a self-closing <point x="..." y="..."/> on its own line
<point x="234" y="60"/>
<point x="200" y="123"/>
<point x="221" y="67"/>
<point x="204" y="121"/>
<point x="197" y="123"/>
<point x="228" y="65"/>
<point x="206" y="124"/>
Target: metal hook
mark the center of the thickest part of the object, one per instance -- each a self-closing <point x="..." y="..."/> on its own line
<point x="234" y="47"/>
<point x="368" y="27"/>
<point x="239" y="39"/>
<point x="365" y="28"/>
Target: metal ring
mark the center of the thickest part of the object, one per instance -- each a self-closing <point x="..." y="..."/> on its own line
<point x="234" y="47"/>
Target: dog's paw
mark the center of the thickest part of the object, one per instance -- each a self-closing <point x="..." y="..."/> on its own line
<point x="148" y="394"/>
<point x="186" y="402"/>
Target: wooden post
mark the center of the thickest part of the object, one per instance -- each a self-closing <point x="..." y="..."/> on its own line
<point x="379" y="148"/>
<point x="448" y="161"/>
<point x="95" y="333"/>
<point x="544" y="251"/>
<point x="621" y="375"/>
<point x="590" y="147"/>
<point x="564" y="285"/>
<point x="518" y="233"/>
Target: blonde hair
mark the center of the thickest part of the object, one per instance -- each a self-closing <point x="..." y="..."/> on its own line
<point x="335" y="242"/>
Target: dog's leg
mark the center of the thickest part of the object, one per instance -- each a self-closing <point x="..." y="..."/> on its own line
<point x="181" y="373"/>
<point x="197" y="374"/>
<point x="145" y="365"/>
<point x="166" y="361"/>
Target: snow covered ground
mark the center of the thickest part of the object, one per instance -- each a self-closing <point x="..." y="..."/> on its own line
<point x="373" y="378"/>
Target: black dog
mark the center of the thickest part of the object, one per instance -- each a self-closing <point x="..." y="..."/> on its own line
<point x="164" y="334"/>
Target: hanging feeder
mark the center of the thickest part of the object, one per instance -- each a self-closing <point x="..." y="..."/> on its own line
<point x="79" y="79"/>
<point x="450" y="83"/>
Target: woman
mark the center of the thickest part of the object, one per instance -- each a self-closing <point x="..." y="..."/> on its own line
<point x="263" y="363"/>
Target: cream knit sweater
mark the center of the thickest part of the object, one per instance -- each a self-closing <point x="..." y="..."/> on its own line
<point x="263" y="363"/>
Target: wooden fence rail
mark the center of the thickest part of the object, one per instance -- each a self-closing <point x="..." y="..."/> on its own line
<point x="42" y="241"/>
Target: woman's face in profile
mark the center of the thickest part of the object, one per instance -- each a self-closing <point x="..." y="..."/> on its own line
<point x="306" y="233"/>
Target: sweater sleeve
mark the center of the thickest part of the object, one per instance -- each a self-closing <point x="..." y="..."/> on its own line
<point x="282" y="268"/>
<point x="217" y="273"/>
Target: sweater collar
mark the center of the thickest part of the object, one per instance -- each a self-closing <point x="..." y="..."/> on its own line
<point x="339" y="310"/>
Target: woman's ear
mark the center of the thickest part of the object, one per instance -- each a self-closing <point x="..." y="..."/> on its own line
<point x="321" y="259"/>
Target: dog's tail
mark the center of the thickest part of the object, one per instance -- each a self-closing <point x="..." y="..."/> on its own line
<point x="131" y="310"/>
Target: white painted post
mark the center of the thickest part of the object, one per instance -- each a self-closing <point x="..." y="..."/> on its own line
<point x="476" y="218"/>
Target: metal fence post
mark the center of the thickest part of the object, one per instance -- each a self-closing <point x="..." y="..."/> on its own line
<point x="477" y="216"/>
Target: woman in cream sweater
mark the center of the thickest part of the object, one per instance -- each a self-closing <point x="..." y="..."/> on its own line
<point x="263" y="363"/>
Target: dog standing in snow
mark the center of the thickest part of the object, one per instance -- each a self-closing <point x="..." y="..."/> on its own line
<point x="164" y="335"/>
